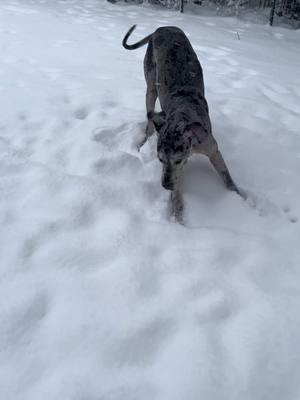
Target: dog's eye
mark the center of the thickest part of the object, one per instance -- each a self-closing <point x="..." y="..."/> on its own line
<point x="178" y="162"/>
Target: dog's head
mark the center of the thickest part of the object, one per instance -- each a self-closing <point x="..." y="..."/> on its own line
<point x="173" y="148"/>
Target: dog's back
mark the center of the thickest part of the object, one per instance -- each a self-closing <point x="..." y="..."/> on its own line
<point x="176" y="62"/>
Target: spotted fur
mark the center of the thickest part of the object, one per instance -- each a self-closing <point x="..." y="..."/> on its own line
<point x="173" y="74"/>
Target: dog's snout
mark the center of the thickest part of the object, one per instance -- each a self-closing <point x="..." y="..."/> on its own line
<point x="167" y="183"/>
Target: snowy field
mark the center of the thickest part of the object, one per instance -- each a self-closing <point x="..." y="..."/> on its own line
<point x="102" y="297"/>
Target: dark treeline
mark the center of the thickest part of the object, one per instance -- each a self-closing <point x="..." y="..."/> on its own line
<point x="287" y="11"/>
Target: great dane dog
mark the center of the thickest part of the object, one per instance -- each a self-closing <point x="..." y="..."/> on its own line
<point x="174" y="75"/>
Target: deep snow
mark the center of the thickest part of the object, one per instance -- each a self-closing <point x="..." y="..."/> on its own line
<point x="103" y="298"/>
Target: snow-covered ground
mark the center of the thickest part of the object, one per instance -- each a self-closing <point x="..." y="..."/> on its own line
<point x="101" y="296"/>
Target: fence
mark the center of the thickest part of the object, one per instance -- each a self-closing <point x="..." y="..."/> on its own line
<point x="288" y="10"/>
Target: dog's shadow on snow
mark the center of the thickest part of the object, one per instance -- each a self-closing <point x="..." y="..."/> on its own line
<point x="202" y="181"/>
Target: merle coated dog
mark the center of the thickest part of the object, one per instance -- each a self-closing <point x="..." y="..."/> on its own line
<point x="174" y="75"/>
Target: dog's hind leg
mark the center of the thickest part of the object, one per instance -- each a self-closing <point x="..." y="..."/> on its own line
<point x="218" y="162"/>
<point x="151" y="94"/>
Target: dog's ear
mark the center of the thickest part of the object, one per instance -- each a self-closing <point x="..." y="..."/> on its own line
<point x="158" y="119"/>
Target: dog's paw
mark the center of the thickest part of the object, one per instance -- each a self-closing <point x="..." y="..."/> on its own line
<point x="141" y="143"/>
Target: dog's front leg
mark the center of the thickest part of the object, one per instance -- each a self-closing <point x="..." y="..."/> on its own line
<point x="176" y="205"/>
<point x="218" y="162"/>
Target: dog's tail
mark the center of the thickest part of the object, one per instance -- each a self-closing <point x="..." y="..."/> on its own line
<point x="135" y="45"/>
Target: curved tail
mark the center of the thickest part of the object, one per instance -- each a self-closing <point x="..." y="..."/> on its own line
<point x="137" y="44"/>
